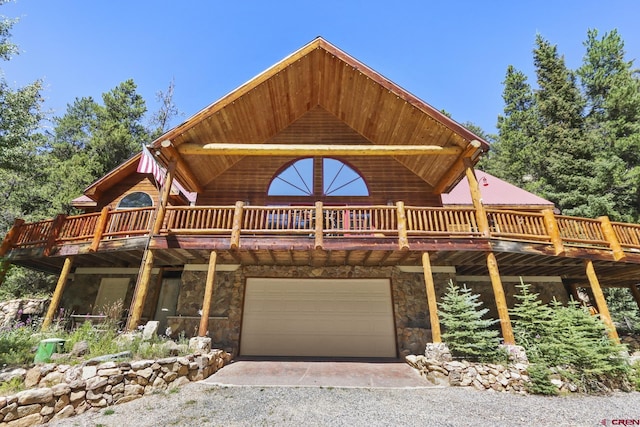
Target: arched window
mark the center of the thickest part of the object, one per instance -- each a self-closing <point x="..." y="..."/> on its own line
<point x="338" y="179"/>
<point x="135" y="200"/>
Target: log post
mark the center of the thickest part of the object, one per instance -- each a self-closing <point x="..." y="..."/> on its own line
<point x="431" y="299"/>
<point x="140" y="293"/>
<point x="601" y="303"/>
<point x="7" y="244"/>
<point x="476" y="197"/>
<point x="610" y="234"/>
<point x="403" y="240"/>
<point x="553" y="231"/>
<point x="208" y="295"/>
<point x="237" y="225"/>
<point x="501" y="301"/>
<point x="636" y="294"/>
<point x="56" y="227"/>
<point x="144" y="276"/>
<point x="101" y="226"/>
<point x="57" y="293"/>
<point x="319" y="226"/>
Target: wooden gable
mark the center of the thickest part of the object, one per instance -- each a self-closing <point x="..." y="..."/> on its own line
<point x="320" y="97"/>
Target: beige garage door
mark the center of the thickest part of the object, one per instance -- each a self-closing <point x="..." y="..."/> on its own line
<point x="318" y="317"/>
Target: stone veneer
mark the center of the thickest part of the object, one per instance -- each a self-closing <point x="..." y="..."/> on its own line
<point x="60" y="391"/>
<point x="13" y="310"/>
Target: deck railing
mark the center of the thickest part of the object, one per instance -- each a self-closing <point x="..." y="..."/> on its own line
<point x="398" y="221"/>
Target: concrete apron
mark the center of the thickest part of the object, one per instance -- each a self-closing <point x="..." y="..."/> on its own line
<point x="322" y="373"/>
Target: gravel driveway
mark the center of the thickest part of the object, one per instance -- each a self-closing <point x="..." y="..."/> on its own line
<point x="201" y="404"/>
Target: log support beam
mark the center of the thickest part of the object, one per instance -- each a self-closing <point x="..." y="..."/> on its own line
<point x="601" y="303"/>
<point x="57" y="293"/>
<point x="436" y="336"/>
<point x="319" y="226"/>
<point x="403" y="239"/>
<point x="228" y="149"/>
<point x="551" y="225"/>
<point x="234" y="242"/>
<point x="501" y="301"/>
<point x="610" y="234"/>
<point x="101" y="226"/>
<point x="208" y="295"/>
<point x="476" y="197"/>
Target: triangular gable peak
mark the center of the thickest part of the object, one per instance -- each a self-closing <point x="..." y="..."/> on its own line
<point x="329" y="91"/>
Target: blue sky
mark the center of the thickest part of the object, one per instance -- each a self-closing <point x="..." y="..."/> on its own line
<point x="453" y="55"/>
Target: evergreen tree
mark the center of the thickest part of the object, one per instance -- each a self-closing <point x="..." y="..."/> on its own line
<point x="512" y="153"/>
<point x="624" y="309"/>
<point x="465" y="331"/>
<point x="530" y="318"/>
<point x="612" y="90"/>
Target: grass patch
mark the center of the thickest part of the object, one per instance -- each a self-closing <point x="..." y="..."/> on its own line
<point x="108" y="412"/>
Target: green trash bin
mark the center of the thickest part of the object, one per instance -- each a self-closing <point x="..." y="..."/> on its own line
<point x="46" y="348"/>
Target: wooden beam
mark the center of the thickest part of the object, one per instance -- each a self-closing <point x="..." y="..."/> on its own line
<point x="183" y="167"/>
<point x="208" y="295"/>
<point x="553" y="231"/>
<point x="236" y="226"/>
<point x="610" y="235"/>
<point x="476" y="197"/>
<point x="458" y="167"/>
<point x="228" y="149"/>
<point x="403" y="239"/>
<point x="101" y="226"/>
<point x="601" y="303"/>
<point x="431" y="299"/>
<point x="140" y="292"/>
<point x="57" y="293"/>
<point x="501" y="301"/>
<point x="319" y="226"/>
<point x="164" y="198"/>
<point x="11" y="237"/>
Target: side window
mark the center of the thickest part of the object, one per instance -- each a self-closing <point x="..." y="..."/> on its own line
<point x="135" y="200"/>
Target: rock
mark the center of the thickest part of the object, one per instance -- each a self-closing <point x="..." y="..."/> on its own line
<point x="455" y="377"/>
<point x="150" y="330"/>
<point x="32" y="377"/>
<point x="60" y="389"/>
<point x="8" y="375"/>
<point x="557" y="382"/>
<point x="66" y="412"/>
<point x="129" y="398"/>
<point x="36" y="395"/>
<point x="171" y="348"/>
<point x="96" y="382"/>
<point x="80" y="349"/>
<point x="438" y="351"/>
<point x="28" y="421"/>
<point x="202" y="344"/>
<point x="25" y="410"/>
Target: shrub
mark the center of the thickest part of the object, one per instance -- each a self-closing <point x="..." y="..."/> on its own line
<point x="466" y="333"/>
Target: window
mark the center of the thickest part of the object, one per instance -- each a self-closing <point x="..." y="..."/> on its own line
<point x="135" y="200"/>
<point x="338" y="179"/>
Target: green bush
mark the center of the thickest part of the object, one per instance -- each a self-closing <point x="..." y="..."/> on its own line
<point x="569" y="339"/>
<point x="539" y="374"/>
<point x="466" y="333"/>
<point x="17" y="343"/>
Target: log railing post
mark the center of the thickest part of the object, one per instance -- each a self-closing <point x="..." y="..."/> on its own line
<point x="57" y="293"/>
<point x="610" y="235"/>
<point x="601" y="303"/>
<point x="319" y="226"/>
<point x="56" y="227"/>
<point x="501" y="301"/>
<point x="236" y="225"/>
<point x="208" y="295"/>
<point x="431" y="299"/>
<point x="553" y="230"/>
<point x="476" y="197"/>
<point x="7" y="244"/>
<point x="101" y="226"/>
<point x="403" y="239"/>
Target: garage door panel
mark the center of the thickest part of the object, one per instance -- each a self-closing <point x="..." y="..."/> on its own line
<point x="318" y="317"/>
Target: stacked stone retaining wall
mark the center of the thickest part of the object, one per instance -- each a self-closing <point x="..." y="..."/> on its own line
<point x="59" y="391"/>
<point x="13" y="310"/>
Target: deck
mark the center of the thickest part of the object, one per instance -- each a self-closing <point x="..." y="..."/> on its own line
<point x="330" y="235"/>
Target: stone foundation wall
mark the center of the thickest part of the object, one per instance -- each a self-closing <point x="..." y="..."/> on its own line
<point x="14" y="310"/>
<point x="60" y="391"/>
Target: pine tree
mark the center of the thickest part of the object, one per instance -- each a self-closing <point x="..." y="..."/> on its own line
<point x="530" y="318"/>
<point x="466" y="333"/>
<point x="510" y="156"/>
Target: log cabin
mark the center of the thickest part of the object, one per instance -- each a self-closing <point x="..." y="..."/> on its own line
<point x="317" y="210"/>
